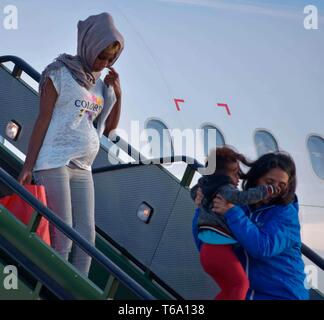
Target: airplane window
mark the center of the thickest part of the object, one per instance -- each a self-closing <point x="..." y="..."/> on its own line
<point x="212" y="138"/>
<point x="159" y="139"/>
<point x="315" y="146"/>
<point x="265" y="142"/>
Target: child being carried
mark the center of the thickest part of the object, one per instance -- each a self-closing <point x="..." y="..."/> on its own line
<point x="216" y="253"/>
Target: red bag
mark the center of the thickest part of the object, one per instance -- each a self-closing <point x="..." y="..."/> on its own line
<point x="23" y="211"/>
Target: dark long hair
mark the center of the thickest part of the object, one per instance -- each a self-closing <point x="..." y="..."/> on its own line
<point x="268" y="162"/>
<point x="224" y="156"/>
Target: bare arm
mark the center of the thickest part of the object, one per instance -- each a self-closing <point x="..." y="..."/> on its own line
<point x="112" y="79"/>
<point x="113" y="119"/>
<point x="46" y="107"/>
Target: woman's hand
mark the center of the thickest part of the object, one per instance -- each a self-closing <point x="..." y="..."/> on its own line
<point x="220" y="205"/>
<point x="199" y="197"/>
<point x="112" y="79"/>
<point x="25" y="176"/>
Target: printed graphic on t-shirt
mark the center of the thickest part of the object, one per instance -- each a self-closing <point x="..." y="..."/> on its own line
<point x="91" y="106"/>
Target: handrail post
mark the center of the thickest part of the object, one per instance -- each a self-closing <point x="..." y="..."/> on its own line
<point x="37" y="290"/>
<point x="188" y="176"/>
<point x="111" y="287"/>
<point x="16" y="72"/>
<point x="34" y="222"/>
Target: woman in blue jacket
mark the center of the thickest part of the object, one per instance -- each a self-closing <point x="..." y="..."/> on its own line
<point x="268" y="232"/>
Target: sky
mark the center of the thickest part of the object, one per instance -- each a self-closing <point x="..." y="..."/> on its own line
<point x="47" y="28"/>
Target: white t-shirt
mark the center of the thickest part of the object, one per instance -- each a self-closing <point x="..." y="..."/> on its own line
<point x="71" y="135"/>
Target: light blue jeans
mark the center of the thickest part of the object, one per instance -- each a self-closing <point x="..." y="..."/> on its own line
<point x="70" y="194"/>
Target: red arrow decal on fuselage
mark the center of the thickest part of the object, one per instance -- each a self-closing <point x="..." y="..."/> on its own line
<point x="224" y="105"/>
<point x="177" y="101"/>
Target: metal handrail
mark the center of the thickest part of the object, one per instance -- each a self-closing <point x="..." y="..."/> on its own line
<point x="192" y="163"/>
<point x="312" y="256"/>
<point x="75" y="236"/>
<point x="21" y="65"/>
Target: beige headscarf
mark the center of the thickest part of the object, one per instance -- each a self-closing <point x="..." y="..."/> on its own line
<point x="95" y="34"/>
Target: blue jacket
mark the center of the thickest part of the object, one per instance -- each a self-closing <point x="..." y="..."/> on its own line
<point x="270" y="249"/>
<point x="195" y="229"/>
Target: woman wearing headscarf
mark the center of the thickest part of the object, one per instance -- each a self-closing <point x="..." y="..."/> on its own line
<point x="64" y="141"/>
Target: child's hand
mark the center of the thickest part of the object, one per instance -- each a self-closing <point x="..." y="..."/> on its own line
<point x="273" y="190"/>
<point x="199" y="197"/>
<point x="220" y="205"/>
